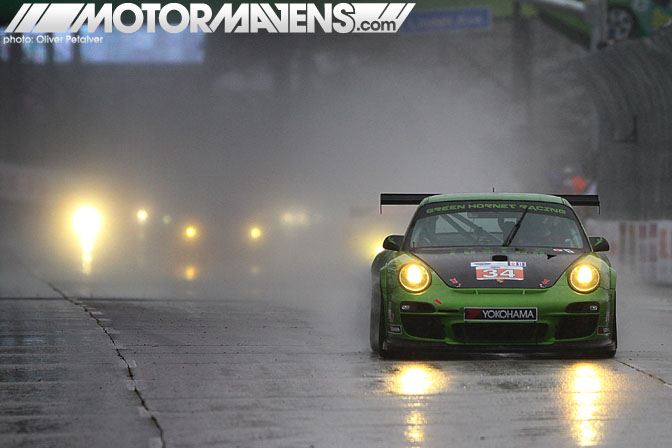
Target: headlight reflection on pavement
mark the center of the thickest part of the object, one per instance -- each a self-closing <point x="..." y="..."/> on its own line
<point x="587" y="403"/>
<point x="417" y="381"/>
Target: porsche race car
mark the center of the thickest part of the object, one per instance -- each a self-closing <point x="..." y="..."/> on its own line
<point x="494" y="272"/>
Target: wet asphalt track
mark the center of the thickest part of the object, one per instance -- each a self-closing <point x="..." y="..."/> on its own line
<point x="190" y="371"/>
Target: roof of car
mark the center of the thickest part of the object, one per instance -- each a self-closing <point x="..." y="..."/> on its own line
<point x="494" y="197"/>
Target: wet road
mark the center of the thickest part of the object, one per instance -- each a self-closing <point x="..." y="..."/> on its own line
<point x="93" y="370"/>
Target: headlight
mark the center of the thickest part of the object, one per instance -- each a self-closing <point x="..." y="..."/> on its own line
<point x="584" y="278"/>
<point x="414" y="277"/>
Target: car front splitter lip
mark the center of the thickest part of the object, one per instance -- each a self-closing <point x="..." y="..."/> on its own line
<point x="591" y="346"/>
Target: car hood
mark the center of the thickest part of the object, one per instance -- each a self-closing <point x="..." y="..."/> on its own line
<point x="541" y="268"/>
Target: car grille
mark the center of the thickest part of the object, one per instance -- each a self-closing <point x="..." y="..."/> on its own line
<point x="428" y="327"/>
<point x="576" y="326"/>
<point x="499" y="332"/>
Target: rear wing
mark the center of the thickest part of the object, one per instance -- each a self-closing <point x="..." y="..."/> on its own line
<point x="588" y="200"/>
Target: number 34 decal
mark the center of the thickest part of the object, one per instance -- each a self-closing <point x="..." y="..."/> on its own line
<point x="499" y="273"/>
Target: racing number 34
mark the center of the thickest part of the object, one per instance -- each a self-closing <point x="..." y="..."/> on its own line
<point x="496" y="273"/>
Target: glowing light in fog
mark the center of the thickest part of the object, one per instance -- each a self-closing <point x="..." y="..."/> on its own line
<point x="255" y="233"/>
<point x="190" y="232"/>
<point x="297" y="218"/>
<point x="142" y="216"/>
<point x="379" y="249"/>
<point x="86" y="221"/>
<point x="167" y="219"/>
<point x="287" y="218"/>
<point x="190" y="273"/>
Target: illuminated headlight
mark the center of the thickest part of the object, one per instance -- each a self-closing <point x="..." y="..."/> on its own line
<point x="414" y="277"/>
<point x="584" y="278"/>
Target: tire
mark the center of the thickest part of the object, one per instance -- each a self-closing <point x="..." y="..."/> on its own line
<point x="377" y="324"/>
<point x="620" y="23"/>
<point x="375" y="319"/>
<point x="614" y="337"/>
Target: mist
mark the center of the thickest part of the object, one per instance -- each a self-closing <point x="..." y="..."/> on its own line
<point x="296" y="136"/>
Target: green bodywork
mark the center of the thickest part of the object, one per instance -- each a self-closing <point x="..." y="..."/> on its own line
<point x="449" y="301"/>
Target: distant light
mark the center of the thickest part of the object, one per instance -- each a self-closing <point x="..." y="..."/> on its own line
<point x="142" y="215"/>
<point x="255" y="270"/>
<point x="294" y="218"/>
<point x="255" y="233"/>
<point x="190" y="232"/>
<point x="87" y="222"/>
<point x="167" y="219"/>
<point x="287" y="218"/>
<point x="190" y="272"/>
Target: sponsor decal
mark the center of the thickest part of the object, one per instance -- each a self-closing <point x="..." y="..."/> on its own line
<point x="520" y="264"/>
<point x="305" y="18"/>
<point x="438" y="301"/>
<point x="544" y="283"/>
<point x="500" y="273"/>
<point x="567" y="251"/>
<point x="471" y="206"/>
<point x="524" y="314"/>
<point x="455" y="283"/>
<point x="603" y="330"/>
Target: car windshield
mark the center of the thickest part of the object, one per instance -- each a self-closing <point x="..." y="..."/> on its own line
<point x="496" y="223"/>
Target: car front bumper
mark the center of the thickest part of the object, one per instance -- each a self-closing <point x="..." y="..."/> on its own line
<point x="593" y="346"/>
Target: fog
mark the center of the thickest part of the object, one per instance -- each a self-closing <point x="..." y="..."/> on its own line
<point x="295" y="136"/>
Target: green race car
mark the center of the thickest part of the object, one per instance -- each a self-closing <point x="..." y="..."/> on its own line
<point x="497" y="272"/>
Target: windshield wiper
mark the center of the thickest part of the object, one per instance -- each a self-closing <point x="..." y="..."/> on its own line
<point x="512" y="233"/>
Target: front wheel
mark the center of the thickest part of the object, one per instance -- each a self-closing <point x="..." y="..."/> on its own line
<point x="614" y="337"/>
<point x="377" y="324"/>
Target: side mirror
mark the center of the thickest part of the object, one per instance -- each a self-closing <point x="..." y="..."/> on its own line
<point x="598" y="243"/>
<point x="393" y="242"/>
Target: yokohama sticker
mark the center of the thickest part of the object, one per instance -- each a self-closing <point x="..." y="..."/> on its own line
<point x="486" y="314"/>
